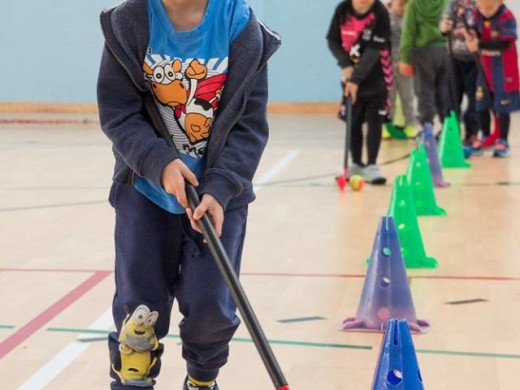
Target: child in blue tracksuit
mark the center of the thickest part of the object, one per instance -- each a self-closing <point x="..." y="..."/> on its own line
<point x="182" y="95"/>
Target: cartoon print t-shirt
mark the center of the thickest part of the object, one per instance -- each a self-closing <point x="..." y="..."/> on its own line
<point x="187" y="71"/>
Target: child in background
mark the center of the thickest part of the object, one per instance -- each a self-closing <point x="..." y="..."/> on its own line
<point x="423" y="53"/>
<point x="463" y="64"/>
<point x="359" y="38"/>
<point x="402" y="85"/>
<point x="494" y="36"/>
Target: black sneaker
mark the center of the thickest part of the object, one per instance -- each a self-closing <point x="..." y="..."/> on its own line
<point x="189" y="385"/>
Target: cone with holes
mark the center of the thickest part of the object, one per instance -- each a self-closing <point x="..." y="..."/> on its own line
<point x="421" y="183"/>
<point x="428" y="140"/>
<point x="402" y="208"/>
<point x="451" y="153"/>
<point x="386" y="293"/>
<point x="397" y="367"/>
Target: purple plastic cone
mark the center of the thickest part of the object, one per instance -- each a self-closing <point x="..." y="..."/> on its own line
<point x="386" y="293"/>
<point x="428" y="139"/>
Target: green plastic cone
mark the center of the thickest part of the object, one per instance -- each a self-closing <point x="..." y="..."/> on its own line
<point x="451" y="153"/>
<point x="421" y="183"/>
<point x="402" y="208"/>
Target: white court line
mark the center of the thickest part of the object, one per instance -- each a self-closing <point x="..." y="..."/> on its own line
<point x="275" y="169"/>
<point x="66" y="356"/>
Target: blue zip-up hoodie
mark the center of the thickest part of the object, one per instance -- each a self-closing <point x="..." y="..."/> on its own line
<point x="131" y="120"/>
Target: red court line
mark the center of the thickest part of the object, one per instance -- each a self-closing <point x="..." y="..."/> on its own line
<point x="52" y="270"/>
<point x="50" y="313"/>
<point x="296" y="275"/>
<point x="47" y="122"/>
<point x="489" y="278"/>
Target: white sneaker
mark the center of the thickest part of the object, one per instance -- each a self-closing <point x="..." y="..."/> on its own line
<point x="354" y="169"/>
<point x="373" y="175"/>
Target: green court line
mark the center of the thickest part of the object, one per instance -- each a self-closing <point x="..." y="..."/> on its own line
<point x="472" y="354"/>
<point x="7" y="326"/>
<point x="319" y="345"/>
<point x="235" y="339"/>
<point x="308" y="344"/>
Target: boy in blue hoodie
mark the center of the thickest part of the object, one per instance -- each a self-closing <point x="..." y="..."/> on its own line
<point x="182" y="95"/>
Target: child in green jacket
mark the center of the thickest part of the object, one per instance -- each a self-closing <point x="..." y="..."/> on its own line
<point x="424" y="54"/>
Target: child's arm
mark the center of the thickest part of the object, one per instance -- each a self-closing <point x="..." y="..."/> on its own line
<point x="506" y="37"/>
<point x="379" y="41"/>
<point x="447" y="22"/>
<point x="122" y="120"/>
<point x="335" y="43"/>
<point x="234" y="168"/>
<point x="408" y="34"/>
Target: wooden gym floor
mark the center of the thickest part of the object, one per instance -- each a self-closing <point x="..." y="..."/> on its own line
<point x="303" y="264"/>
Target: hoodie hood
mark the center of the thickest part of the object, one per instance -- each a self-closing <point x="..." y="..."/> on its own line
<point x="431" y="10"/>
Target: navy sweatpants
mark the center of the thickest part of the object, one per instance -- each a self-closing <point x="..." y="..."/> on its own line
<point x="160" y="258"/>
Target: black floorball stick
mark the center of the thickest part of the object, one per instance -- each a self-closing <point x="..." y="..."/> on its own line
<point x="453" y="87"/>
<point x="238" y="294"/>
<point x="342" y="180"/>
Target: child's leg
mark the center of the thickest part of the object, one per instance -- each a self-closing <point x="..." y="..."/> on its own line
<point x="469" y="77"/>
<point x="440" y="67"/>
<point x="405" y="89"/>
<point x="456" y="83"/>
<point x="374" y="116"/>
<point x="504" y="123"/>
<point x="484" y="121"/>
<point x="393" y="93"/>
<point x="425" y="84"/>
<point x="148" y="242"/>
<point x="356" y="136"/>
<point x="501" y="145"/>
<point x="205" y="300"/>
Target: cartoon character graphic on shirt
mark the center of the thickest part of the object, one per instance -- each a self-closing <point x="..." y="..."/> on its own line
<point x="192" y="95"/>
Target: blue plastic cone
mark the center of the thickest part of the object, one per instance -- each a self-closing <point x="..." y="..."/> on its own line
<point x="397" y="368"/>
<point x="428" y="140"/>
<point x="386" y="293"/>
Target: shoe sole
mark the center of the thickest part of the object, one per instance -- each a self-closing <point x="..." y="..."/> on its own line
<point x="378" y="182"/>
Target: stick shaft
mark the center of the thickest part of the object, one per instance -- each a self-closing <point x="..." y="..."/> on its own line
<point x="348" y="135"/>
<point x="237" y="292"/>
